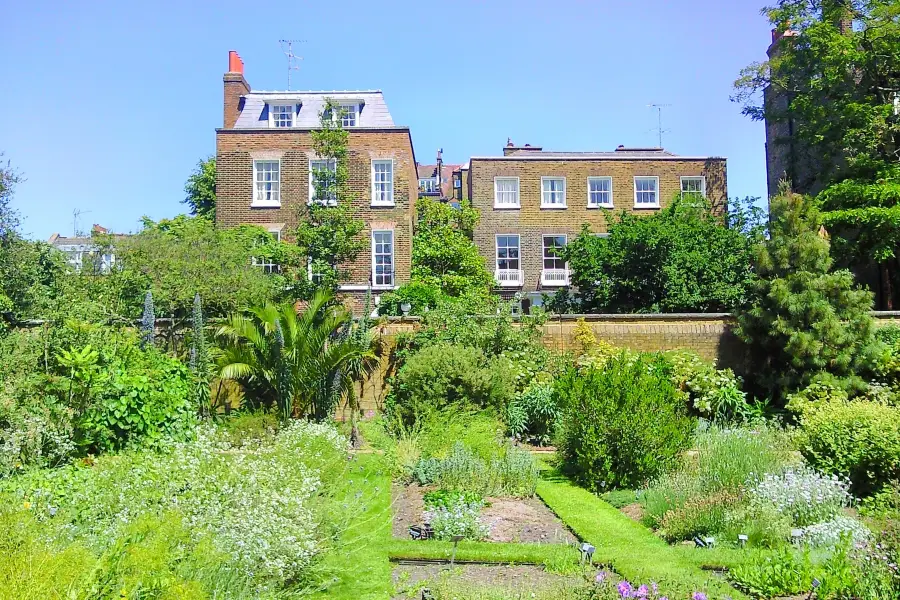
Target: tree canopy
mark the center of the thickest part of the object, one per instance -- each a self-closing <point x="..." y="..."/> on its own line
<point x="200" y="189"/>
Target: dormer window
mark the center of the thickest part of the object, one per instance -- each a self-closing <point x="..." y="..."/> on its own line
<point x="347" y="112"/>
<point x="428" y="185"/>
<point x="281" y="115"/>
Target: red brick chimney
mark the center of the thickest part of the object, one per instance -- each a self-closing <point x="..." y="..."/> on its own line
<point x="235" y="87"/>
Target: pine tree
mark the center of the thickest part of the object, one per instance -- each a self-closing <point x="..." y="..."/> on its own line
<point x="200" y="361"/>
<point x="148" y="321"/>
<point x="804" y="320"/>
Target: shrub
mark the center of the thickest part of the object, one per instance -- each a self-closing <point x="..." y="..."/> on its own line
<point x="712" y="393"/>
<point x="829" y="534"/>
<point x="446" y="375"/>
<point x="426" y="471"/>
<point x="808" y="497"/>
<point x="511" y="473"/>
<point x="624" y="424"/>
<point x="458" y="517"/>
<point x="534" y="414"/>
<point x="699" y="515"/>
<point x="421" y="297"/>
<point x="447" y="498"/>
<point x="723" y="460"/>
<point x="859" y="440"/>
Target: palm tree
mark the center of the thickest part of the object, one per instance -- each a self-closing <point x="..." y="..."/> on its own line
<point x="301" y="363"/>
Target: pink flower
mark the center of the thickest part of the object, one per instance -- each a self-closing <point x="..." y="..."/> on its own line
<point x="601" y="577"/>
<point x="625" y="589"/>
<point x="698" y="596"/>
<point x="642" y="592"/>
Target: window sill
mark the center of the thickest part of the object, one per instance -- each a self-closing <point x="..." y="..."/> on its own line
<point x="384" y="204"/>
<point x="264" y="204"/>
<point x="507" y="206"/>
<point x="607" y="206"/>
<point x="553" y="207"/>
<point x="646" y="207"/>
<point x="382" y="288"/>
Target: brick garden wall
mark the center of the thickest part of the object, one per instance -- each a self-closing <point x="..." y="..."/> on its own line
<point x="709" y="335"/>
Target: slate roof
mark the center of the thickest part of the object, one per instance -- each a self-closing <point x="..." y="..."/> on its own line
<point x="373" y="110"/>
<point x="425" y="171"/>
<point x="621" y="153"/>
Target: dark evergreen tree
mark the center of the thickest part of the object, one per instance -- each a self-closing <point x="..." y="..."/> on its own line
<point x="803" y="320"/>
<point x="200" y="362"/>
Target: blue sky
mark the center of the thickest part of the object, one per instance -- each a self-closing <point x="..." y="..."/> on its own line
<point x="108" y="106"/>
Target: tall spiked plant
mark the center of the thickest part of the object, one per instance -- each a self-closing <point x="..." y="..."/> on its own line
<point x="200" y="360"/>
<point x="148" y="321"/>
<point x="301" y="363"/>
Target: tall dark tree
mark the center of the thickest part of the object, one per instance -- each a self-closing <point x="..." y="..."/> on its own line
<point x="148" y="321"/>
<point x="803" y="320"/>
<point x="834" y="80"/>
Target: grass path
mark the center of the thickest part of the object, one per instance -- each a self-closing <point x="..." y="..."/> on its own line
<point x="628" y="547"/>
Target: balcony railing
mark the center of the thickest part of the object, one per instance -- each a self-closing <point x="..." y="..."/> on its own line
<point x="555" y="277"/>
<point x="509" y="277"/>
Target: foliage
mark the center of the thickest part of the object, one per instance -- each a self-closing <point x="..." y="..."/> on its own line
<point x="300" y="363"/>
<point x="443" y="376"/>
<point x="829" y="534"/>
<point x="445" y="498"/>
<point x="888" y="366"/>
<point x="684" y="258"/>
<point x="200" y="362"/>
<point x="836" y="87"/>
<point x="509" y="472"/>
<point x="781" y="573"/>
<point x="713" y="393"/>
<point x="856" y="439"/>
<point x="328" y="234"/>
<point x="179" y="258"/>
<point x="804" y="320"/>
<point x="446" y="262"/>
<point x="457" y="516"/>
<point x="623" y="424"/>
<point x="200" y="189"/>
<point x="806" y="496"/>
<point x="265" y="512"/>
<point x="724" y="463"/>
<point x="533" y="414"/>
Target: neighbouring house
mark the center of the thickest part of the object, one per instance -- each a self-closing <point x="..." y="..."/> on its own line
<point x="460" y="177"/>
<point x="533" y="201"/>
<point x="96" y="251"/>
<point x="264" y="158"/>
<point x="435" y="181"/>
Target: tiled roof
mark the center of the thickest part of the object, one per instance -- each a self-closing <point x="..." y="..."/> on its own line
<point x="425" y="171"/>
<point x="373" y="110"/>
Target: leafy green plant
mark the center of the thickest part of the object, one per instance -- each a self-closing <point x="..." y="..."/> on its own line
<point x="624" y="424"/>
<point x="300" y="363"/>
<point x="459" y="516"/>
<point x="858" y="439"/>
<point x="443" y="376"/>
<point x="713" y="393"/>
<point x="534" y="415"/>
<point x="783" y="572"/>
<point x="510" y="471"/>
<point x="446" y="498"/>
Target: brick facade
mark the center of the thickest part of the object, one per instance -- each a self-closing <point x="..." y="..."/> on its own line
<point x="531" y="222"/>
<point x="238" y="147"/>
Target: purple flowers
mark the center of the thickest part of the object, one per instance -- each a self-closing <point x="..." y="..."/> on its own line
<point x="641" y="592"/>
<point x="601" y="577"/>
<point x="698" y="596"/>
<point x="625" y="589"/>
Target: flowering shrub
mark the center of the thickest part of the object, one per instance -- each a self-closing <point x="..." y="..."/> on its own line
<point x="807" y="496"/>
<point x="609" y="587"/>
<point x="262" y="505"/>
<point x="458" y="516"/>
<point x="713" y="393"/>
<point x="829" y="534"/>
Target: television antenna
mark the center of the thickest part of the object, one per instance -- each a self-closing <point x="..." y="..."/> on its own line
<point x="75" y="214"/>
<point x="287" y="46"/>
<point x="659" y="128"/>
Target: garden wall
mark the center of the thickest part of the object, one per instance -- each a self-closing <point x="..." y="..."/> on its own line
<point x="710" y="335"/>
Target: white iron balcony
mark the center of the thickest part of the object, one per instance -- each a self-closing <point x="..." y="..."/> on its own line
<point x="555" y="277"/>
<point x="509" y="277"/>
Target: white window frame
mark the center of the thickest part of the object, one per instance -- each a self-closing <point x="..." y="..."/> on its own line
<point x="519" y="279"/>
<point x="344" y="110"/>
<point x="590" y="202"/>
<point x="393" y="254"/>
<point x="268" y="267"/>
<point x="501" y="205"/>
<point x="312" y="182"/>
<point x="292" y="112"/>
<point x="258" y="202"/>
<point x="553" y="282"/>
<point x="544" y="202"/>
<point x="653" y="178"/>
<point x="544" y="257"/>
<point x="428" y="182"/>
<point x="690" y="177"/>
<point x="390" y="184"/>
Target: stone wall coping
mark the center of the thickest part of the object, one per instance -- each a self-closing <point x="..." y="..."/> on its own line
<point x="878" y="314"/>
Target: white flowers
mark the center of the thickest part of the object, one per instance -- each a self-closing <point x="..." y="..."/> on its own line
<point x="829" y="534"/>
<point x="458" y="517"/>
<point x="806" y="496"/>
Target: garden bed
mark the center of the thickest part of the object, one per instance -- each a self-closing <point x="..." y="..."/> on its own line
<point x="410" y="577"/>
<point x="520" y="520"/>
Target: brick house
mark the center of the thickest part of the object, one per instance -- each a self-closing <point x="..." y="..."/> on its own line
<point x="264" y="158"/>
<point x="435" y="181"/>
<point x="532" y="202"/>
